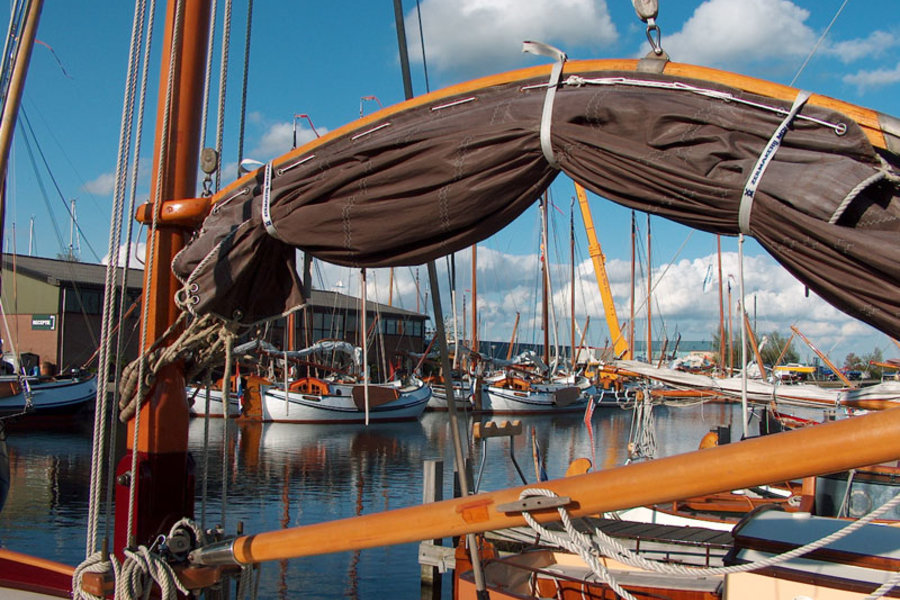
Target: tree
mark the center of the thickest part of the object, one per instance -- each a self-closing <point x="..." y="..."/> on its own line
<point x="854" y="363"/>
<point x="775" y="346"/>
<point x="875" y="356"/>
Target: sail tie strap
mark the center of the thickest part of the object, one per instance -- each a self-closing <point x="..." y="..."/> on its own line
<point x="267" y="203"/>
<point x="764" y="159"/>
<point x="542" y="49"/>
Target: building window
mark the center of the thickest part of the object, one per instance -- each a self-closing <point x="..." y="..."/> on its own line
<point x="89" y="302"/>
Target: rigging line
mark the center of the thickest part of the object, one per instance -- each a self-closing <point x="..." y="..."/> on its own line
<point x="211" y="40"/>
<point x="101" y="414"/>
<point x="246" y="68"/>
<point x="46" y="199"/>
<point x="176" y="43"/>
<point x="223" y="84"/>
<point x="40" y="152"/>
<point x="129" y="232"/>
<point x="819" y="41"/>
<point x="422" y="42"/>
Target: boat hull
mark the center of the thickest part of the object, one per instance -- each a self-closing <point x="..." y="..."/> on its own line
<point x="540" y="400"/>
<point x="49" y="401"/>
<point x="198" y="403"/>
<point x="339" y="405"/>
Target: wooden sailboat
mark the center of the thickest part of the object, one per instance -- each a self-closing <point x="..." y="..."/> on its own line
<point x="285" y="207"/>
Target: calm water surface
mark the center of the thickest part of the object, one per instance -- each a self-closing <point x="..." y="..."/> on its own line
<point x="285" y="475"/>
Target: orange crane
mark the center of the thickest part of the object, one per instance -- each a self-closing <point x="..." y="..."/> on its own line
<point x="620" y="344"/>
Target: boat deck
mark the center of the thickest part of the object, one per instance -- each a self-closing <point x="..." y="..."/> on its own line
<point x="682" y="544"/>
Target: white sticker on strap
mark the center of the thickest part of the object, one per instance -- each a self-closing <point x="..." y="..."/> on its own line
<point x="763" y="161"/>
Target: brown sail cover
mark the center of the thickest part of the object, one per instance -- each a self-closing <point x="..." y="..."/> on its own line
<point x="430" y="177"/>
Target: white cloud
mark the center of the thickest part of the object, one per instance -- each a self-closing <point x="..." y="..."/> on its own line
<point x="508" y="284"/>
<point x="872" y="79"/>
<point x="876" y="44"/>
<point x="278" y="139"/>
<point x="473" y="37"/>
<point x="102" y="185"/>
<point x="736" y="31"/>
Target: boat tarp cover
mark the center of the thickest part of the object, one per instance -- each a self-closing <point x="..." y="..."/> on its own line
<point x="432" y="177"/>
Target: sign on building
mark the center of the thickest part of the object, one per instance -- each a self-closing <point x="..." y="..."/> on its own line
<point x="43" y="322"/>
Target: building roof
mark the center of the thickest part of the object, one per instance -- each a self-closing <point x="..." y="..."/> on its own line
<point x="54" y="271"/>
<point x="337" y="301"/>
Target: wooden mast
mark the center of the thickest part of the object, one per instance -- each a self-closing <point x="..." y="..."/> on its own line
<point x="631" y="319"/>
<point x="545" y="272"/>
<point x="475" y="297"/>
<point x="164" y="465"/>
<point x="649" y="297"/>
<point x="721" y="308"/>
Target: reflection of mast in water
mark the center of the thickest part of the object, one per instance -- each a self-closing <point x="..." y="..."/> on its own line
<point x="612" y="450"/>
<point x="284" y="522"/>
<point x="352" y="590"/>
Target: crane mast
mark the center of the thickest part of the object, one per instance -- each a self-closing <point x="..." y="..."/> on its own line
<point x="620" y="344"/>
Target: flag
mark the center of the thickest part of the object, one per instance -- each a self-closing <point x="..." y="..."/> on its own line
<point x="707" y="281"/>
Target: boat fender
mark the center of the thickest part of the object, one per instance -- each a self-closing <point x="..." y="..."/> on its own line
<point x="710" y="440"/>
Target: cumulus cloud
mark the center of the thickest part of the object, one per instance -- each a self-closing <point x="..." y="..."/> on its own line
<point x="102" y="185"/>
<point x="875" y="44"/>
<point x="278" y="139"/>
<point x="507" y="284"/>
<point x="873" y="79"/>
<point x="737" y="32"/>
<point x="474" y="37"/>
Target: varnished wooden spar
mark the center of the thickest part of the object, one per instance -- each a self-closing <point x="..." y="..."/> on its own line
<point x="837" y="446"/>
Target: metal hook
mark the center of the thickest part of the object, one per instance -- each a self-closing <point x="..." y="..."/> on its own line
<point x="655" y="42"/>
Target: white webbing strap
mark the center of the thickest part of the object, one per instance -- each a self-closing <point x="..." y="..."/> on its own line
<point x="542" y="49"/>
<point x="764" y="159"/>
<point x="267" y="202"/>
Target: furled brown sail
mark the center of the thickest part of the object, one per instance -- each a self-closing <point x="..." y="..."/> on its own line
<point x="440" y="172"/>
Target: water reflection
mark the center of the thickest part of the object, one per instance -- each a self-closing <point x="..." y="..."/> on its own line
<point x="280" y="475"/>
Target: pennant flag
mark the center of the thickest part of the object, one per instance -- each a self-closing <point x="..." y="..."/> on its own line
<point x="707" y="281"/>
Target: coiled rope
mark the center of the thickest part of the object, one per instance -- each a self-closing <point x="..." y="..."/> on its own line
<point x="141" y="569"/>
<point x="202" y="343"/>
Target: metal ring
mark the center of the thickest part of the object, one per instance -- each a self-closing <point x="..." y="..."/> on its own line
<point x="195" y="300"/>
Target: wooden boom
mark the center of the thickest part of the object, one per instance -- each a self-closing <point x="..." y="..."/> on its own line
<point x="828" y="448"/>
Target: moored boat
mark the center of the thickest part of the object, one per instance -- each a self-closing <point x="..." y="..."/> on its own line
<point x="313" y="400"/>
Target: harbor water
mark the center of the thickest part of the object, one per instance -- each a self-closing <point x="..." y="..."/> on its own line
<point x="275" y="475"/>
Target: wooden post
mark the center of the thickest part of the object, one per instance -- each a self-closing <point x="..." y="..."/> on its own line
<point x="432" y="491"/>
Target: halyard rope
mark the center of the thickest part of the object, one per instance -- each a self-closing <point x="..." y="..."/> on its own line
<point x="98" y="447"/>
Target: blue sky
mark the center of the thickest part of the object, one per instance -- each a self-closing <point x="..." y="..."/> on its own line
<point x="319" y="59"/>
